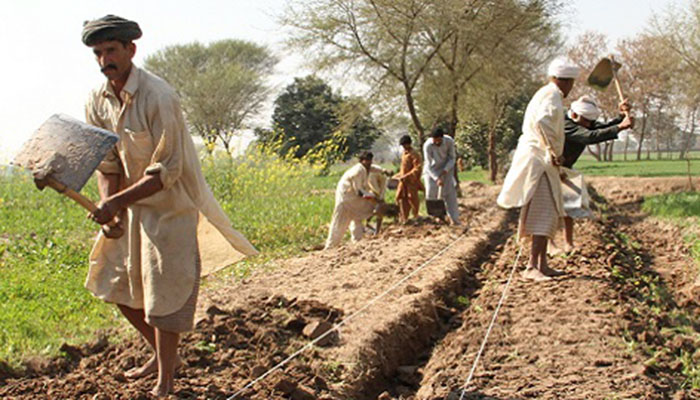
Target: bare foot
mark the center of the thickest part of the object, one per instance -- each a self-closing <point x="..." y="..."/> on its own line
<point x="162" y="389"/>
<point x="545" y="270"/>
<point x="535" y="275"/>
<point x="150" y="367"/>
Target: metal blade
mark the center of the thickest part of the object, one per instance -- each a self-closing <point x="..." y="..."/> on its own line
<point x="67" y="149"/>
<point x="602" y="74"/>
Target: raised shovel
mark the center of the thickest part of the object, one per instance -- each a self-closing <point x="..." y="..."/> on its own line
<point x="604" y="73"/>
<point x="64" y="153"/>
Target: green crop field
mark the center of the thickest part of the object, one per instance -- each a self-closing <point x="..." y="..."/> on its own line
<point x="684" y="210"/>
<point x="645" y="168"/>
<point x="45" y="241"/>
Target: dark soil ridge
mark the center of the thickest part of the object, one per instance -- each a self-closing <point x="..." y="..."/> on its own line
<point x="393" y="359"/>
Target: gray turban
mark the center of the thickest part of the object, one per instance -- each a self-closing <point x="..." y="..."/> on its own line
<point x="110" y="27"/>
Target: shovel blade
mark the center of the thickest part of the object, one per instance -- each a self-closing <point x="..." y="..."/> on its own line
<point x="67" y="149"/>
<point x="602" y="74"/>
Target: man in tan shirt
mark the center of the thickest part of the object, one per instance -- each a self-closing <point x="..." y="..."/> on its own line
<point x="152" y="186"/>
<point x="409" y="180"/>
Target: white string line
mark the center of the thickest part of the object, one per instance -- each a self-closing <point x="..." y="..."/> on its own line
<point x="345" y="321"/>
<point x="493" y="321"/>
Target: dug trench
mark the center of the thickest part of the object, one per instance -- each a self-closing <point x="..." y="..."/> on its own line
<point x="601" y="331"/>
<point x="623" y="323"/>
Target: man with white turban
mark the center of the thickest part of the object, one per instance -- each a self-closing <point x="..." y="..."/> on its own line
<point x="354" y="201"/>
<point x="582" y="128"/>
<point x="533" y="181"/>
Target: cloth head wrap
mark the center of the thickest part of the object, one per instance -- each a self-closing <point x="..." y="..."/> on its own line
<point x="586" y="107"/>
<point x="110" y="27"/>
<point x="563" y="68"/>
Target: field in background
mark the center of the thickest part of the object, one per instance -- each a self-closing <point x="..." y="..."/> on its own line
<point x="45" y="240"/>
<point x="683" y="209"/>
<point x="644" y="168"/>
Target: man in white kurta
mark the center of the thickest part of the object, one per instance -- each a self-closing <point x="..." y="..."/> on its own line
<point x="354" y="201"/>
<point x="439" y="160"/>
<point x="151" y="184"/>
<point x="533" y="181"/>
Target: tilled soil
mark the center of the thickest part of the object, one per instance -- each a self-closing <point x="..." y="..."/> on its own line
<point x="621" y="324"/>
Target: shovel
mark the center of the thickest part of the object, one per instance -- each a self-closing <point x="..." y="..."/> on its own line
<point x="65" y="152"/>
<point x="604" y="73"/>
<point x="436" y="207"/>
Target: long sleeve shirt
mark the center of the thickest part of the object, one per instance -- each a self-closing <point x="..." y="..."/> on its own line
<point x="152" y="267"/>
<point x="439" y="159"/>
<point x="578" y="137"/>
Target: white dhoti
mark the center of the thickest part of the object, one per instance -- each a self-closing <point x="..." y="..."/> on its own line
<point x="539" y="217"/>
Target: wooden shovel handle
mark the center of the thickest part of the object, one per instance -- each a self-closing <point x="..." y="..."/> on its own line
<point x="66" y="191"/>
<point x="618" y="87"/>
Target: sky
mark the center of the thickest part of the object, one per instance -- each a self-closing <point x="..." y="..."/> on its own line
<point x="46" y="69"/>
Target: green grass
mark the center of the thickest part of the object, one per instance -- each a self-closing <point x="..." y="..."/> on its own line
<point x="45" y="241"/>
<point x="684" y="210"/>
<point x="645" y="168"/>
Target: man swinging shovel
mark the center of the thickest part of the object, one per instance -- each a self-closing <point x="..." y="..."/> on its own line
<point x="582" y="128"/>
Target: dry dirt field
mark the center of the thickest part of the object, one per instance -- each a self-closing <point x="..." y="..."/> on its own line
<point x="586" y="335"/>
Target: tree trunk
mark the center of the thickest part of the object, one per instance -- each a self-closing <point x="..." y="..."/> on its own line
<point x="595" y="154"/>
<point x="414" y="115"/>
<point x="641" y="135"/>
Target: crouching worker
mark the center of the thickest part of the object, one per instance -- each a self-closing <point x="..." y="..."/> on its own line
<point x="354" y="201"/>
<point x="151" y="185"/>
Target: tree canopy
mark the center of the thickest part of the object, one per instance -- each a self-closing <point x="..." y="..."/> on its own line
<point x="308" y="113"/>
<point x="221" y="85"/>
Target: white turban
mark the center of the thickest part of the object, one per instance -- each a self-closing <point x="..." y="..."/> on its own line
<point x="586" y="107"/>
<point x="563" y="68"/>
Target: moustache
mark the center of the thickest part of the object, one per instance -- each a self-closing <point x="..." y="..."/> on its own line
<point x="107" y="67"/>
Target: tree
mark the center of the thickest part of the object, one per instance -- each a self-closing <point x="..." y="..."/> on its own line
<point x="648" y="71"/>
<point x="307" y="113"/>
<point x="678" y="31"/>
<point x="389" y="41"/>
<point x="221" y="85"/>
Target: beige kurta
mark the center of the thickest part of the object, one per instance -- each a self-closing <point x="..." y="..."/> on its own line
<point x="152" y="267"/>
<point x="544" y="118"/>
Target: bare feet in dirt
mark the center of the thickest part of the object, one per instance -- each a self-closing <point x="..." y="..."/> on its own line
<point x="555" y="249"/>
<point x="543" y="274"/>
<point x="150" y="367"/>
<point x="162" y="389"/>
<point x="551" y="272"/>
<point x="535" y="275"/>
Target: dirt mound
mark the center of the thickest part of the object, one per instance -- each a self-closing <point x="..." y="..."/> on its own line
<point x="228" y="349"/>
